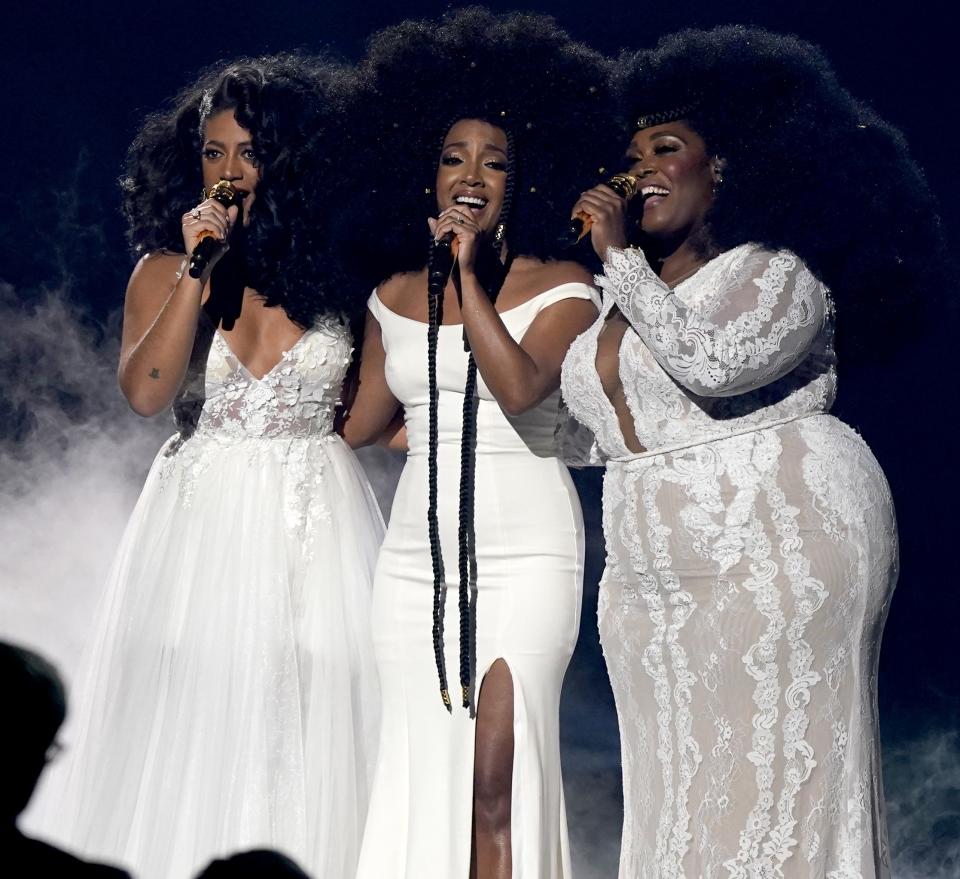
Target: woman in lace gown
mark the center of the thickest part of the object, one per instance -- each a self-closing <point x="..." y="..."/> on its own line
<point x="230" y="697"/>
<point x="751" y="541"/>
<point x="468" y="779"/>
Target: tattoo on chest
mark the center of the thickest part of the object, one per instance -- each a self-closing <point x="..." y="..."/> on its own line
<point x="154" y="373"/>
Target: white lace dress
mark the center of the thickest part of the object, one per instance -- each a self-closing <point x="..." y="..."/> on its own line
<point x="230" y="698"/>
<point x="751" y="554"/>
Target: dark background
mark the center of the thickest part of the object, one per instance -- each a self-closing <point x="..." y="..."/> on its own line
<point x="77" y="81"/>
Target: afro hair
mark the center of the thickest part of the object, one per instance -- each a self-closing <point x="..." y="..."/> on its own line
<point x="807" y="166"/>
<point x="518" y="71"/>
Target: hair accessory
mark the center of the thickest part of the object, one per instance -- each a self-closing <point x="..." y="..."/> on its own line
<point x="648" y="120"/>
<point x="206" y="106"/>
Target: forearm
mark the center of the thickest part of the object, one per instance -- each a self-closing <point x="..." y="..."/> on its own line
<point x="152" y="368"/>
<point x="511" y="374"/>
<point x="772" y="311"/>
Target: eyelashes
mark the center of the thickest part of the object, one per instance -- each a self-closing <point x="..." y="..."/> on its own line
<point x="212" y="154"/>
<point x="495" y="164"/>
<point x="658" y="150"/>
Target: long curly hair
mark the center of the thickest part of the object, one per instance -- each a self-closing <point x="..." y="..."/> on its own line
<point x="807" y="166"/>
<point x="518" y="71"/>
<point x="292" y="107"/>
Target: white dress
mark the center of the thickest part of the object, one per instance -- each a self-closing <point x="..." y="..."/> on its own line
<point x="529" y="573"/>
<point x="230" y="697"/>
<point x="751" y="554"/>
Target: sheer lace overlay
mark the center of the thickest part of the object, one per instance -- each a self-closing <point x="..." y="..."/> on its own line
<point x="223" y="405"/>
<point x="751" y="554"/>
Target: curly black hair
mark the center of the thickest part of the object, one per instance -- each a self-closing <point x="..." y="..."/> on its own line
<point x="807" y="166"/>
<point x="518" y="71"/>
<point x="293" y="107"/>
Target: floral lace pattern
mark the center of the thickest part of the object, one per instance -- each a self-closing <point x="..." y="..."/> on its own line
<point x="281" y="418"/>
<point x="751" y="555"/>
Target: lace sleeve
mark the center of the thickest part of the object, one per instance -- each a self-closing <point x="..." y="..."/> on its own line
<point x="755" y="316"/>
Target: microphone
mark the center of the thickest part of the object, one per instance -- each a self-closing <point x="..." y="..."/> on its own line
<point x="440" y="264"/>
<point x="624" y="185"/>
<point x="442" y="254"/>
<point x="207" y="245"/>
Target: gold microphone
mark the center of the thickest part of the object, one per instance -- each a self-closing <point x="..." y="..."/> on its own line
<point x="207" y="242"/>
<point x="624" y="185"/>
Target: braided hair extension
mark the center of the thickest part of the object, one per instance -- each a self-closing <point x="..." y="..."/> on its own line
<point x="465" y="531"/>
<point x="516" y="68"/>
<point x="433" y="525"/>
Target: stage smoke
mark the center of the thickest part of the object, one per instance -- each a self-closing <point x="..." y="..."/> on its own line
<point x="72" y="461"/>
<point x="73" y="458"/>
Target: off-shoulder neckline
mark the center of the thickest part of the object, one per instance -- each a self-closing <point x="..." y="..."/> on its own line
<point x="522" y="305"/>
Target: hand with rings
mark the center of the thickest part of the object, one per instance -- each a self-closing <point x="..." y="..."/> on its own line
<point x="460" y="222"/>
<point x="207" y="218"/>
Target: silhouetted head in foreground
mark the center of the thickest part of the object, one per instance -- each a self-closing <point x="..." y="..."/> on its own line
<point x="256" y="864"/>
<point x="34" y="707"/>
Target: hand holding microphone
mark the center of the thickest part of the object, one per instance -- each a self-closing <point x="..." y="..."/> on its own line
<point x="207" y="227"/>
<point x="459" y="225"/>
<point x="601" y="212"/>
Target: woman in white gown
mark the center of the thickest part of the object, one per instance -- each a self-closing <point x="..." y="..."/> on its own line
<point x="230" y="699"/>
<point x="468" y="778"/>
<point x="751" y="541"/>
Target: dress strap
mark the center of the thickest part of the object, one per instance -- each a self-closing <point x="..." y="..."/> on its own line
<point x="375" y="305"/>
<point x="571" y="290"/>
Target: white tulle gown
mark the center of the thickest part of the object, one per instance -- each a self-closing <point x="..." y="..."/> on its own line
<point x="529" y="573"/>
<point x="230" y="699"/>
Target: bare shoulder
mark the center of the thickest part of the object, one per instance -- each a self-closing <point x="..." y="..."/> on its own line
<point x="401" y="293"/>
<point x="531" y="277"/>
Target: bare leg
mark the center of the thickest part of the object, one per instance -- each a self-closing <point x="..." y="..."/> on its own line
<point x="491" y="856"/>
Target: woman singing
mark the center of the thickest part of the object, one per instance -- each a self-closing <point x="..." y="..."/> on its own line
<point x="230" y="698"/>
<point x="751" y="541"/>
<point x="478" y="586"/>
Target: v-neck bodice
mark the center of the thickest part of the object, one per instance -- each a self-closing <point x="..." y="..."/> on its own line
<point x="711" y="358"/>
<point x="296" y="397"/>
<point x="284" y="355"/>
